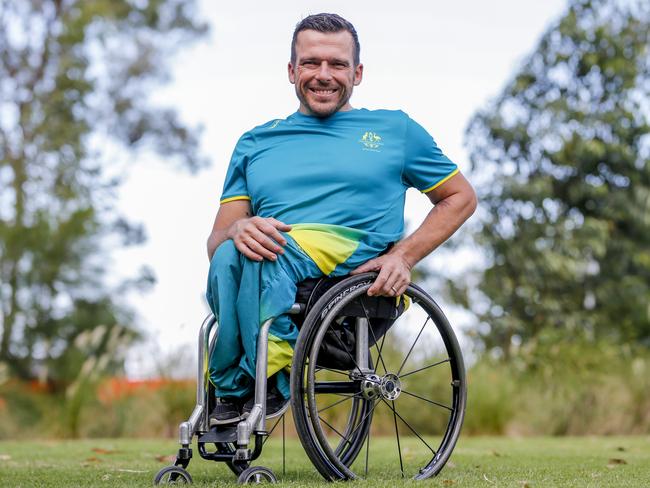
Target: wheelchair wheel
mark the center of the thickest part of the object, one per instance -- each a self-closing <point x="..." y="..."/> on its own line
<point x="172" y="475"/>
<point x="403" y="409"/>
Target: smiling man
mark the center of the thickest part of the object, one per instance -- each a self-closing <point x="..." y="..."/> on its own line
<point x="318" y="193"/>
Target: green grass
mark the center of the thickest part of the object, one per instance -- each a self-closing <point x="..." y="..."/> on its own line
<point x="476" y="462"/>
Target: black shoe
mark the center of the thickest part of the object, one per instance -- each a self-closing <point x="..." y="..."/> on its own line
<point x="226" y="411"/>
<point x="275" y="403"/>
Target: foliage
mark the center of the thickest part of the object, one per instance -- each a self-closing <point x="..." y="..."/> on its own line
<point x="559" y="386"/>
<point x="562" y="164"/>
<point x="549" y="387"/>
<point x="139" y="409"/>
<point x="74" y="111"/>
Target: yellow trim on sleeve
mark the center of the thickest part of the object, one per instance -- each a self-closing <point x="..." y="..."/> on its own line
<point x="441" y="181"/>
<point x="232" y="199"/>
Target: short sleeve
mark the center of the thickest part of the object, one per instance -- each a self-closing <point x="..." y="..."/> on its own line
<point x="425" y="165"/>
<point x="235" y="187"/>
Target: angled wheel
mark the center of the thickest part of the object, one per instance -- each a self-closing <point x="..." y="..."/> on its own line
<point x="256" y="475"/>
<point x="410" y="403"/>
<point x="172" y="475"/>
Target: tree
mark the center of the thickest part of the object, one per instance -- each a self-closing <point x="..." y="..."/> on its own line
<point x="561" y="161"/>
<point x="74" y="80"/>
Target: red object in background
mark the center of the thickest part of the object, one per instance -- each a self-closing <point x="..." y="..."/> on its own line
<point x="117" y="388"/>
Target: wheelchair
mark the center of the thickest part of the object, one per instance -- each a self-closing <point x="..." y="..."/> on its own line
<point x="372" y="378"/>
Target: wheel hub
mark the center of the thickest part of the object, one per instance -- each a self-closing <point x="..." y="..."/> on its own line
<point x="390" y="386"/>
<point x="370" y="386"/>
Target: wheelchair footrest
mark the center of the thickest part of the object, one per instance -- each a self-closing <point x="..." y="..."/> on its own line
<point x="223" y="435"/>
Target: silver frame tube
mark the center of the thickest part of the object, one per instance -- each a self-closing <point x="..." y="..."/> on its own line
<point x="361" y="350"/>
<point x="256" y="420"/>
<point x="198" y="421"/>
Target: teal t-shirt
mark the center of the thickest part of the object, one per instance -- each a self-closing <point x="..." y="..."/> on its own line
<point x="339" y="181"/>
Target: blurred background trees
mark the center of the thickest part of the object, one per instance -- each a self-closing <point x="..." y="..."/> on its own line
<point x="74" y="114"/>
<point x="561" y="160"/>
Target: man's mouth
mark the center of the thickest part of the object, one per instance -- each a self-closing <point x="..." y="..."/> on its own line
<point x="323" y="92"/>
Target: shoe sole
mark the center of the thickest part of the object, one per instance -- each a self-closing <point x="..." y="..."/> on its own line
<point x="284" y="408"/>
<point x="215" y="422"/>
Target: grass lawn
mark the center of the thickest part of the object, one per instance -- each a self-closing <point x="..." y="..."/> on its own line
<point x="476" y="462"/>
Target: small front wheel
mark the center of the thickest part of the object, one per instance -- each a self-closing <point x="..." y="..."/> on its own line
<point x="256" y="475"/>
<point x="172" y="475"/>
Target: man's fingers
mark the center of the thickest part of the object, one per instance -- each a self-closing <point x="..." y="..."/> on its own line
<point x="389" y="287"/>
<point x="367" y="266"/>
<point x="247" y="251"/>
<point x="264" y="240"/>
<point x="279" y="225"/>
<point x="392" y="283"/>
<point x="256" y="247"/>
<point x="273" y="233"/>
<point x="270" y="228"/>
<point x="381" y="279"/>
<point x="400" y="285"/>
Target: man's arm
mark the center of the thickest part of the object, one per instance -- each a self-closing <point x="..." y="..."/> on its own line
<point x="256" y="238"/>
<point x="455" y="202"/>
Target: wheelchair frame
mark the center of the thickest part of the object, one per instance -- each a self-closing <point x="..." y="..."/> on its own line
<point x="254" y="426"/>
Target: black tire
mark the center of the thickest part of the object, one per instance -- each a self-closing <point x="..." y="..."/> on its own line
<point x="333" y="460"/>
<point x="172" y="475"/>
<point x="256" y="475"/>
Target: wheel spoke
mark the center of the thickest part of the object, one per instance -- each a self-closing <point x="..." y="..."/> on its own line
<point x="399" y="447"/>
<point x="409" y="426"/>
<point x="355" y="429"/>
<point x="348" y="353"/>
<point x="427" y="400"/>
<point x="381" y="348"/>
<point x="367" y="449"/>
<point x="412" y="346"/>
<point x="272" y="429"/>
<point x="364" y="418"/>
<point x="347" y="397"/>
<point x="323" y="368"/>
<point x="426" y="367"/>
<point x="334" y="429"/>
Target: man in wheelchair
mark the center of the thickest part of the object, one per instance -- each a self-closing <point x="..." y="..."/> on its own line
<point x="318" y="193"/>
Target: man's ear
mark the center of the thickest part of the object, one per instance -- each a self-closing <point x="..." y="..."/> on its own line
<point x="358" y="74"/>
<point x="292" y="76"/>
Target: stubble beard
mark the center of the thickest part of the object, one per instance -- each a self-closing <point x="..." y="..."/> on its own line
<point x="319" y="110"/>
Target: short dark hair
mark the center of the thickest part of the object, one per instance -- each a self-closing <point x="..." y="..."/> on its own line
<point x="326" y="23"/>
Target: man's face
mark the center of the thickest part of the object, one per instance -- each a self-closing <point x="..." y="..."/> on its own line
<point x="324" y="73"/>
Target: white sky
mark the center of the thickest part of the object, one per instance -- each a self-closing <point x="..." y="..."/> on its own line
<point x="439" y="61"/>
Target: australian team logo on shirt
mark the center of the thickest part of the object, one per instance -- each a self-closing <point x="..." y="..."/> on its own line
<point x="371" y="141"/>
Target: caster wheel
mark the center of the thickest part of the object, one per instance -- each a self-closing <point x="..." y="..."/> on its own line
<point x="256" y="475"/>
<point x="172" y="475"/>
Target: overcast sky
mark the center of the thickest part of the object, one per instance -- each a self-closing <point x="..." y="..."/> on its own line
<point x="438" y="61"/>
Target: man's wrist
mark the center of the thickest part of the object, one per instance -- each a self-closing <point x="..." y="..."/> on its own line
<point x="404" y="255"/>
<point x="230" y="230"/>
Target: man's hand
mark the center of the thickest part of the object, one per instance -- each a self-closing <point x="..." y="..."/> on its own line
<point x="255" y="237"/>
<point x="394" y="274"/>
<point x="259" y="238"/>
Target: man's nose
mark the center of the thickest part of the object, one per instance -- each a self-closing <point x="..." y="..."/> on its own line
<point x="324" y="71"/>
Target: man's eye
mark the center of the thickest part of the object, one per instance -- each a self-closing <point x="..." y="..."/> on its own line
<point x="309" y="64"/>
